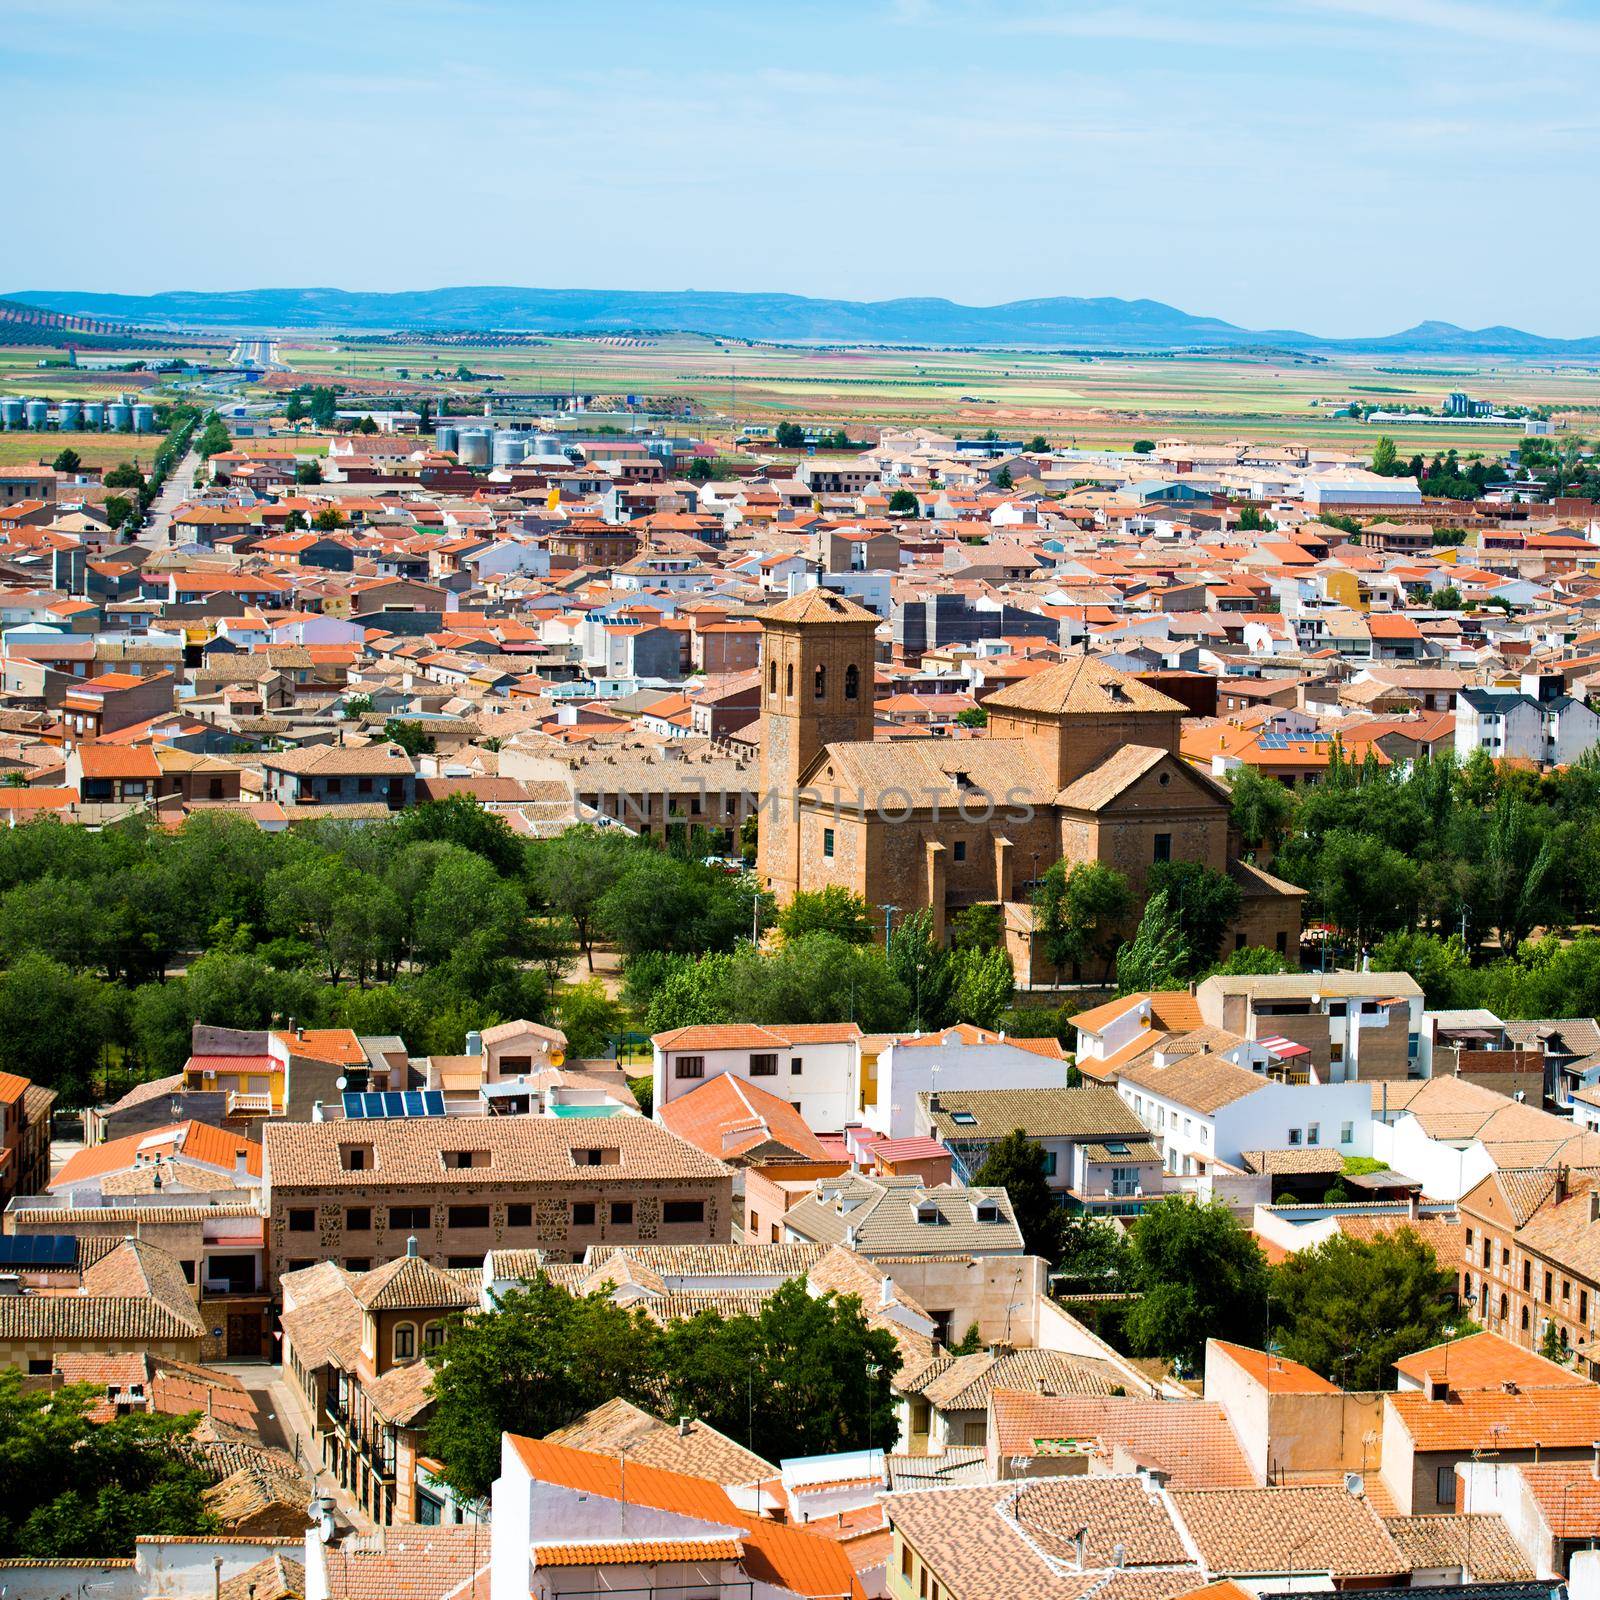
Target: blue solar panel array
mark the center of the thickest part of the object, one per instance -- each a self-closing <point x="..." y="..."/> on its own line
<point x="395" y="1103"/>
<point x="1282" y="741"/>
<point x="38" y="1250"/>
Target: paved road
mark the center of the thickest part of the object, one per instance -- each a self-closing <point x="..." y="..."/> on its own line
<point x="281" y="1415"/>
<point x="157" y="531"/>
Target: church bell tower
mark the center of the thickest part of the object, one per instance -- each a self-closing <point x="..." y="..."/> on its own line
<point x="816" y="690"/>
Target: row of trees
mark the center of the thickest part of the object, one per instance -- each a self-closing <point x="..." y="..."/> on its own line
<point x="1483" y="849"/>
<point x="803" y="1376"/>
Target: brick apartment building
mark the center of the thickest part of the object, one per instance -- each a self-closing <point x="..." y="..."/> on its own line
<point x="356" y="1192"/>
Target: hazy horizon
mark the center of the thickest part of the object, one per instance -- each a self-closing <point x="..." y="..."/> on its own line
<point x="1345" y="168"/>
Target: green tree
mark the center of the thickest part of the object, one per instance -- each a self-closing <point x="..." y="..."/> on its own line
<point x="1016" y="1164"/>
<point x="79" y="1489"/>
<point x="123" y="476"/>
<point x="1250" y="961"/>
<point x="53" y="1025"/>
<point x="67" y="460"/>
<point x="1440" y="966"/>
<point x="832" y="909"/>
<point x="904" y="503"/>
<point x="1038" y="445"/>
<point x="690" y="994"/>
<point x="295" y="522"/>
<point x="973" y="717"/>
<point x="806" y="1375"/>
<point x="1156" y="958"/>
<point x="1351" y="1308"/>
<point x="1366" y="887"/>
<point x="412" y="737"/>
<point x="573" y="871"/>
<point x="1002" y="479"/>
<point x="1094" y="1252"/>
<point x="1143" y="447"/>
<point x="1082" y="912"/>
<point x="922" y="967"/>
<point x="1261" y="809"/>
<point x="1252" y="521"/>
<point x="458" y="819"/>
<point x="818" y="977"/>
<point x="308" y="472"/>
<point x="590" y="1018"/>
<point x="983" y="986"/>
<point x="1205" y="902"/>
<point x="118" y="509"/>
<point x="533" y="1364"/>
<point x="1199" y="1276"/>
<point x="664" y="902"/>
<point x="213" y="439"/>
<point x="789" y="436"/>
<point x="1385" y="458"/>
<point x="328" y="520"/>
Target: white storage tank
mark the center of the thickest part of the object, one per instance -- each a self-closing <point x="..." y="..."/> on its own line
<point x="447" y="438"/>
<point x="69" y="416"/>
<point x="94" y="414"/>
<point x="38" y="414"/>
<point x="474" y="448"/>
<point x="144" y="419"/>
<point x="120" y="416"/>
<point x="510" y="448"/>
<point x="11" y="413"/>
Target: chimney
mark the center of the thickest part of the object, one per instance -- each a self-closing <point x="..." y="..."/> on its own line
<point x="411" y="1244"/>
<point x="1594" y="1205"/>
<point x="1594" y="1458"/>
<point x="933" y="1101"/>
<point x="1563" y="1173"/>
<point x="317" y="1114"/>
<point x="683" y="1429"/>
<point x="886" y="1292"/>
<point x="1413" y="1204"/>
<point x="241" y="1166"/>
<point x="1435" y="1387"/>
<point x="474" y="1043"/>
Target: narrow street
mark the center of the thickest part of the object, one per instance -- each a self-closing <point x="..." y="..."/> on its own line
<point x="179" y="487"/>
<point x="283" y="1423"/>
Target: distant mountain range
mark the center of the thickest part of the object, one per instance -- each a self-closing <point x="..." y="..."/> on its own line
<point x="784" y="318"/>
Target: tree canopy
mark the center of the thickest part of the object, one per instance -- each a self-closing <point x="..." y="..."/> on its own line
<point x="72" y="1488"/>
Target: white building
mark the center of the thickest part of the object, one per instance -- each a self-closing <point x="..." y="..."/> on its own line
<point x="816" y="1067"/>
<point x="1519" y="724"/>
<point x="957" y="1057"/>
<point x="1203" y="1108"/>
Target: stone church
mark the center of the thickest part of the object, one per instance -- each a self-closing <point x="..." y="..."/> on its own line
<point x="1080" y="763"/>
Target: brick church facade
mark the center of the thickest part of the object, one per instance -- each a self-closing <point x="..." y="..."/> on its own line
<point x="1080" y="763"/>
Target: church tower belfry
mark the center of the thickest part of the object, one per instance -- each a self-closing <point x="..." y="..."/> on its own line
<point x="816" y="689"/>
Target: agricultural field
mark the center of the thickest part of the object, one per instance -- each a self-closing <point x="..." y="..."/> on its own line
<point x="94" y="449"/>
<point x="1087" y="399"/>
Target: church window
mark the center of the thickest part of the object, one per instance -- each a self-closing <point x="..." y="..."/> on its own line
<point x="1163" y="847"/>
<point x="852" y="681"/>
<point x="788" y="679"/>
<point x="772" y="677"/>
<point x="822" y="682"/>
<point x="827" y="843"/>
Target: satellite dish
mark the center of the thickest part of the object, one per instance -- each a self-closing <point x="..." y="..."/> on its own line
<point x="339" y="1083"/>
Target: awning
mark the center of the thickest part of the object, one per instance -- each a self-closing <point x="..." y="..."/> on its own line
<point x="1281" y="1049"/>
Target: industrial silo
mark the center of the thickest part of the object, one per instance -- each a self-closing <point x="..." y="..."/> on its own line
<point x="547" y="447"/>
<point x="94" y="413"/>
<point x="120" y="416"/>
<point x="510" y="448"/>
<point x="473" y="449"/>
<point x="38" y="414"/>
<point x="447" y="438"/>
<point x="11" y="413"/>
<point x="69" y="416"/>
<point x="144" y="419"/>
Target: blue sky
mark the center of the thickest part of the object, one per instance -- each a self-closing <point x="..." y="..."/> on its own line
<point x="1343" y="166"/>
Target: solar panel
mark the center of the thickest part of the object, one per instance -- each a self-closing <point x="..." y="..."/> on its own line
<point x="38" y="1250"/>
<point x="393" y="1103"/>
